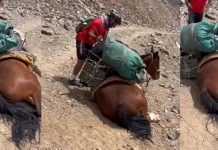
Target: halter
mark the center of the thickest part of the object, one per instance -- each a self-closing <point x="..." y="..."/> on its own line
<point x="149" y="66"/>
<point x="152" y="63"/>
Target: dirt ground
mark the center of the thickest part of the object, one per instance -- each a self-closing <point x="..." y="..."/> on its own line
<point x="69" y="119"/>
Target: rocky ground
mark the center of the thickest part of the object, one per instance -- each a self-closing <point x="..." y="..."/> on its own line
<point x="69" y="120"/>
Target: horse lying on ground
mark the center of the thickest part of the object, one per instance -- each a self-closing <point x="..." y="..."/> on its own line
<point x="124" y="102"/>
<point x="207" y="82"/>
<point x="20" y="98"/>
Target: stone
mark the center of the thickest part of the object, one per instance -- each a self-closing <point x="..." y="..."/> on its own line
<point x="173" y="135"/>
<point x="2" y="17"/>
<point x="47" y="32"/>
<point x="153" y="117"/>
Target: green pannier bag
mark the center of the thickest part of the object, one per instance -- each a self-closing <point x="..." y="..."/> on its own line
<point x="127" y="63"/>
<point x="7" y="43"/>
<point x="202" y="36"/>
<point x="5" y="28"/>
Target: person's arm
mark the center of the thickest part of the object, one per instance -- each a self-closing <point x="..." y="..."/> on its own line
<point x="93" y="31"/>
<point x="94" y="37"/>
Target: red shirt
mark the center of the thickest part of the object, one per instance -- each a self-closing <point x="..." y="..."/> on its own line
<point x="198" y="6"/>
<point x="99" y="28"/>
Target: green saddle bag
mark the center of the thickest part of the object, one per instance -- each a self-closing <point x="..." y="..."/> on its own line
<point x="202" y="36"/>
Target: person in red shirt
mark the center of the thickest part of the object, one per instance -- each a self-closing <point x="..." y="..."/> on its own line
<point x="196" y="10"/>
<point x="95" y="31"/>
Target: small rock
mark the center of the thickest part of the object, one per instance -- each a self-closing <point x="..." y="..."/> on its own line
<point x="101" y="6"/>
<point x="155" y="41"/>
<point x="210" y="16"/>
<point x="61" y="21"/>
<point x="163" y="85"/>
<point x="174" y="135"/>
<point x="165" y="76"/>
<point x="150" y="44"/>
<point x="164" y="50"/>
<point x="154" y="117"/>
<point x="47" y="32"/>
<point x="22" y="14"/>
<point x="161" y="42"/>
<point x="143" y="45"/>
<point x="174" y="56"/>
<point x="129" y="147"/>
<point x="67" y="26"/>
<point x="152" y="35"/>
<point x="69" y="101"/>
<point x="3" y="17"/>
<point x="158" y="33"/>
<point x="175" y="109"/>
<point x="170" y="86"/>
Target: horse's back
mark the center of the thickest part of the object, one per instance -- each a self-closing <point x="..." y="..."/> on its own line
<point x="9" y="66"/>
<point x="116" y="93"/>
<point x="207" y="76"/>
<point x="15" y="78"/>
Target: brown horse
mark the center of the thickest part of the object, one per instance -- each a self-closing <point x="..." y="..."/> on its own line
<point x="207" y="82"/>
<point x="20" y="99"/>
<point x="126" y="104"/>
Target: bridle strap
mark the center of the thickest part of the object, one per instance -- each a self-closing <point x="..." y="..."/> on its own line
<point x="147" y="68"/>
<point x="152" y="63"/>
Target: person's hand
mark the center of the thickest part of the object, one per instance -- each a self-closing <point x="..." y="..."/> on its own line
<point x="99" y="38"/>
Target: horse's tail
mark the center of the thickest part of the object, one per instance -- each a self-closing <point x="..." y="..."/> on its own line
<point x="209" y="102"/>
<point x="24" y="119"/>
<point x="137" y="124"/>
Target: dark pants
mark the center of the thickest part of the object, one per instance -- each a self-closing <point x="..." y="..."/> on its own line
<point x="82" y="49"/>
<point x="195" y="17"/>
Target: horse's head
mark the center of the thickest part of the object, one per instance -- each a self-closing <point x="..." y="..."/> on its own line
<point x="152" y="62"/>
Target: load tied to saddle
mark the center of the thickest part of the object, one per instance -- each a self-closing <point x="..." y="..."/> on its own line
<point x="197" y="41"/>
<point x="115" y="58"/>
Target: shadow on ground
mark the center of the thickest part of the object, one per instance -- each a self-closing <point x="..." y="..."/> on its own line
<point x="83" y="96"/>
<point x="194" y="93"/>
